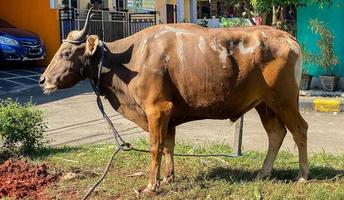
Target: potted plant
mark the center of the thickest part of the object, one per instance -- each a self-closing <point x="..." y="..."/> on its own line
<point x="306" y="80"/>
<point x="327" y="59"/>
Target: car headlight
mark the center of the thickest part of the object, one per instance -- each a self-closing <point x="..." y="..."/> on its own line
<point x="8" y="41"/>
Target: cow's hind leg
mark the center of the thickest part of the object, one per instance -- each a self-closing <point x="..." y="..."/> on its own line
<point x="158" y="117"/>
<point x="291" y="117"/>
<point x="298" y="127"/>
<point x="276" y="132"/>
<point x="168" y="152"/>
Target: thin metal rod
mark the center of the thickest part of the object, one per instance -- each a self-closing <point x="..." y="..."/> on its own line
<point x="238" y="137"/>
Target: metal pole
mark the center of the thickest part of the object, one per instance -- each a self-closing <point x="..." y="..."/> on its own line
<point x="128" y="24"/>
<point x="103" y="26"/>
<point x="61" y="25"/>
<point x="238" y="137"/>
<point x="79" y="17"/>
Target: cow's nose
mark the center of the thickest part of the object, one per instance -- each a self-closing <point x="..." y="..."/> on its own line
<point x="42" y="80"/>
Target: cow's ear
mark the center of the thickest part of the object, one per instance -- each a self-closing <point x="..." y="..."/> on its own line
<point x="91" y="45"/>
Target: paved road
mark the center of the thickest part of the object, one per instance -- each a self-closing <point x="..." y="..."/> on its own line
<point x="73" y="119"/>
<point x="16" y="80"/>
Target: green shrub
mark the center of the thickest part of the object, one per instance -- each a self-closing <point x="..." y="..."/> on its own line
<point x="21" y="126"/>
<point x="233" y="22"/>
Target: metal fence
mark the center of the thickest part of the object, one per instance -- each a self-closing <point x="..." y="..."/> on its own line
<point x="140" y="21"/>
<point x="108" y="25"/>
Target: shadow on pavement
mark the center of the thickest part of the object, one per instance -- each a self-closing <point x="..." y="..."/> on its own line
<point x="36" y="94"/>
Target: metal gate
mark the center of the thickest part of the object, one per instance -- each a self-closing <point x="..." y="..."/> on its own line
<point x="140" y="21"/>
<point x="108" y="25"/>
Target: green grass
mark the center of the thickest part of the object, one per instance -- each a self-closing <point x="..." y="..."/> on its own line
<point x="196" y="178"/>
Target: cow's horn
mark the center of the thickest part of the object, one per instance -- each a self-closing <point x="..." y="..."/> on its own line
<point x="81" y="35"/>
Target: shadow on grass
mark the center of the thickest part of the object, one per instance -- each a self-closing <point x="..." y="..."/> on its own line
<point x="50" y="151"/>
<point x="7" y="154"/>
<point x="287" y="175"/>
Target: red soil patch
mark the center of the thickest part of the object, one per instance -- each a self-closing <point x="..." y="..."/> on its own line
<point x="21" y="179"/>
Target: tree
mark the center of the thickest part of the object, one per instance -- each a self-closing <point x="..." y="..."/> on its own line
<point x="327" y="58"/>
<point x="276" y="7"/>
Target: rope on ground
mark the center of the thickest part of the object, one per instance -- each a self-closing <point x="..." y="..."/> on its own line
<point x="102" y="177"/>
<point x="121" y="144"/>
<point x="187" y="155"/>
<point x="128" y="147"/>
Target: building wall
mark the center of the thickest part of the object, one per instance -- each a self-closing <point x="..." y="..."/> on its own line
<point x="171" y="2"/>
<point x="35" y="16"/>
<point x="186" y="7"/>
<point x="160" y="5"/>
<point x="161" y="11"/>
<point x="332" y="16"/>
<point x="83" y="4"/>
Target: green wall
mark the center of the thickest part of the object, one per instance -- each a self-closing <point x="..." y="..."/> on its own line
<point x="334" y="17"/>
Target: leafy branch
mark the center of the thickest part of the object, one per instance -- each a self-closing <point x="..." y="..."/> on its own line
<point x="327" y="59"/>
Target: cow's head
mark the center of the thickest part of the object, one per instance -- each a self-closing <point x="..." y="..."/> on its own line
<point x="71" y="60"/>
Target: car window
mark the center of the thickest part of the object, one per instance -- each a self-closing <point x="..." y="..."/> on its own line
<point x="4" y="24"/>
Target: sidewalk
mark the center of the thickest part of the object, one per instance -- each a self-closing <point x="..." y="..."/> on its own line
<point x="73" y="119"/>
<point x="76" y="120"/>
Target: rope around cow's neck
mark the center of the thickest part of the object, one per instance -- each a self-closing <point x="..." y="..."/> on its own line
<point x="120" y="143"/>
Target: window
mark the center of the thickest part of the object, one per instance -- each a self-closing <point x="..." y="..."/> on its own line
<point x="64" y="4"/>
<point x="120" y="5"/>
<point x="69" y="3"/>
<point x="203" y="9"/>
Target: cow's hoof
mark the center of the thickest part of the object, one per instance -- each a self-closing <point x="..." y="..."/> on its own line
<point x="148" y="193"/>
<point x="167" y="180"/>
<point x="262" y="176"/>
<point x="302" y="178"/>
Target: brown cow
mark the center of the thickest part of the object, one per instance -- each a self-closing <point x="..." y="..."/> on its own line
<point x="167" y="75"/>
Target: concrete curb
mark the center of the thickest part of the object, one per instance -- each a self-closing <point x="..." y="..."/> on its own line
<point x="319" y="104"/>
<point x="321" y="101"/>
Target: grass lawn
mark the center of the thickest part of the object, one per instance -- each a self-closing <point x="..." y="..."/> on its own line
<point x="196" y="178"/>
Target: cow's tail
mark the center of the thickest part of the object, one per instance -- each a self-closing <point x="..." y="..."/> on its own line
<point x="295" y="47"/>
<point x="298" y="68"/>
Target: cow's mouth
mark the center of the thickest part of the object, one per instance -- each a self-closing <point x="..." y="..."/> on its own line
<point x="46" y="85"/>
<point x="49" y="90"/>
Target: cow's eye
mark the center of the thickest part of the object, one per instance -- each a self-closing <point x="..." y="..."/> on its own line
<point x="65" y="54"/>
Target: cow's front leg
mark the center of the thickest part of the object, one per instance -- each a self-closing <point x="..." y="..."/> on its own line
<point x="168" y="152"/>
<point x="158" y="118"/>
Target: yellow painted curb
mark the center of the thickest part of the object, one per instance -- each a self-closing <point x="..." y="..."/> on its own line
<point x="326" y="105"/>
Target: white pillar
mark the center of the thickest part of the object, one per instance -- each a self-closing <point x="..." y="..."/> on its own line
<point x="193" y="11"/>
<point x="180" y="10"/>
<point x="161" y="10"/>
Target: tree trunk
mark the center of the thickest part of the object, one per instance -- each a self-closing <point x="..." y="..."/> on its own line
<point x="274" y="15"/>
<point x="281" y="14"/>
<point x="264" y="17"/>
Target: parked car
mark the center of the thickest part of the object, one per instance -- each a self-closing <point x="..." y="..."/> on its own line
<point x="19" y="45"/>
